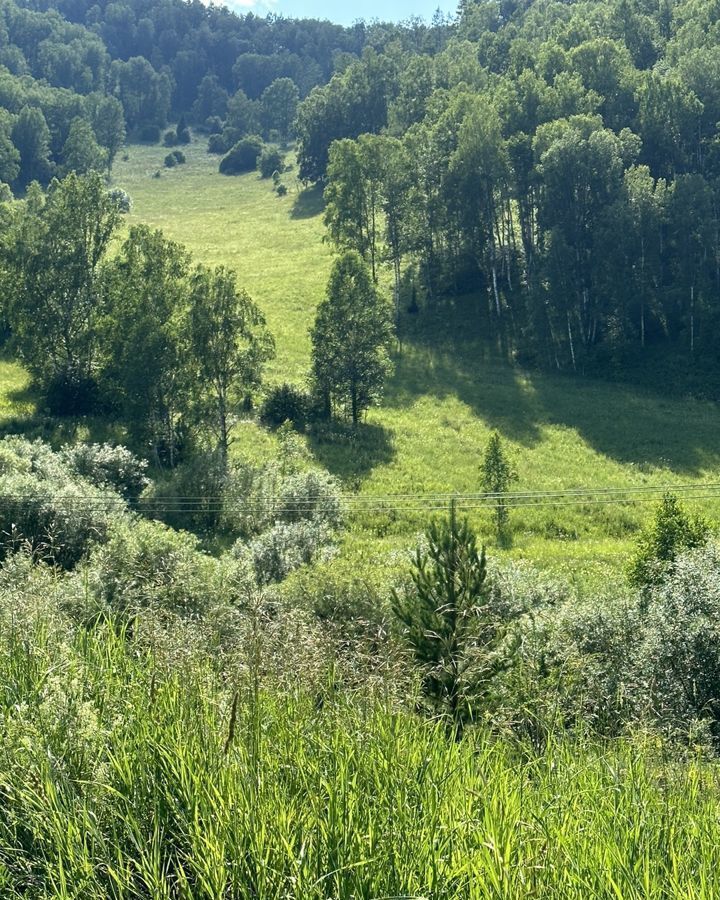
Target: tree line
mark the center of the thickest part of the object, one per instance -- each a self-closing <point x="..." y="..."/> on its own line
<point x="136" y="330"/>
<point x="144" y="333"/>
<point x="559" y="160"/>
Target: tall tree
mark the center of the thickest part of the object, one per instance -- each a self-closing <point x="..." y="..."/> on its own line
<point x="351" y="339"/>
<point x="279" y="103"/>
<point x="81" y="152"/>
<point x="146" y="332"/>
<point x="53" y="279"/>
<point x="230" y="345"/>
<point x="450" y="624"/>
<point x="31" y="137"/>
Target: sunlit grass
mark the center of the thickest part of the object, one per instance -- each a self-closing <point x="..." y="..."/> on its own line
<point x="449" y="390"/>
<point x="124" y="779"/>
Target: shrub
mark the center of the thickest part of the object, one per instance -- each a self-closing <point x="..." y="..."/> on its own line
<point x="203" y="478"/>
<point x="217" y="144"/>
<point x="281" y="190"/>
<point x="122" y="199"/>
<point x="146" y="564"/>
<point x="182" y="132"/>
<point x="671" y="532"/>
<point x="242" y="157"/>
<point x="170" y="161"/>
<point x="285" y="403"/>
<point x="179" y="157"/>
<point x="58" y="517"/>
<point x="271" y="160"/>
<point x="283" y="548"/>
<point x="310" y="496"/>
<point x="213" y="125"/>
<point x="106" y="466"/>
<point x="68" y="394"/>
<point x="170" y="138"/>
<point x="679" y="657"/>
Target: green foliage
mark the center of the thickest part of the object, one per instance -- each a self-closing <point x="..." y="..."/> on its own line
<point x="148" y="366"/>
<point x="230" y="345"/>
<point x="106" y="466"/>
<point x="81" y="152"/>
<point x="672" y="532"/>
<point x="52" y="279"/>
<point x="242" y="157"/>
<point x="286" y="403"/>
<point x="170" y="161"/>
<point x="679" y="658"/>
<point x="450" y="623"/>
<point x="217" y="144"/>
<point x="31" y="137"/>
<point x="146" y="564"/>
<point x="55" y="513"/>
<point x="351" y="339"/>
<point x="271" y="160"/>
<point x="279" y="102"/>
<point x="283" y="548"/>
<point x="496" y="477"/>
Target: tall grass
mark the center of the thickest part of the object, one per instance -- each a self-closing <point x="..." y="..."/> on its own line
<point x="123" y="779"/>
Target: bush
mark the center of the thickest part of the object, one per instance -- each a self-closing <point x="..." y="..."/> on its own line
<point x="672" y="531"/>
<point x="170" y="161"/>
<point x="179" y="156"/>
<point x="182" y="132"/>
<point x="110" y="467"/>
<point x="213" y="125"/>
<point x="53" y="512"/>
<point x="149" y="134"/>
<point x="285" y="403"/>
<point x="284" y="548"/>
<point x="170" y="138"/>
<point x="242" y="157"/>
<point x="281" y="190"/>
<point x="122" y="199"/>
<point x="146" y="564"/>
<point x="271" y="160"/>
<point x="204" y="479"/>
<point x="68" y="394"/>
<point x="312" y="496"/>
<point x="217" y="144"/>
<point x="679" y="657"/>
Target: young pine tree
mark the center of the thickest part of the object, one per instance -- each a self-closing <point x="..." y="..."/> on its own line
<point x="671" y="532"/>
<point x="452" y="629"/>
<point x="497" y="474"/>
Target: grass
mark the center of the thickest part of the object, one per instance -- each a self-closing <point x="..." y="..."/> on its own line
<point x="123" y="778"/>
<point x="449" y="390"/>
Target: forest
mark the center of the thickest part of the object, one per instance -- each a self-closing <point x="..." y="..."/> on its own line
<point x="359" y="452"/>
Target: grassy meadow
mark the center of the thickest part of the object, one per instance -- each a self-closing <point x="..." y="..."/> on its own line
<point x="449" y="390"/>
<point x="126" y="778"/>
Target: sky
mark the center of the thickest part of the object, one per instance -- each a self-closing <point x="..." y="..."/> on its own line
<point x="345" y="12"/>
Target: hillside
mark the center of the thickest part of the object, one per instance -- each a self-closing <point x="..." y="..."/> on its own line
<point x="450" y="389"/>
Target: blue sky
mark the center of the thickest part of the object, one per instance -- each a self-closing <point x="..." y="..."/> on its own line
<point x="345" y="12"/>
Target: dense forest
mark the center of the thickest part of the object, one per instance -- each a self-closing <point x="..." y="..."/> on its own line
<point x="324" y="571"/>
<point x="561" y="158"/>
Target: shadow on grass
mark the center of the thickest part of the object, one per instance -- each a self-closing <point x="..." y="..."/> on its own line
<point x="309" y="203"/>
<point x="453" y="353"/>
<point x="351" y="453"/>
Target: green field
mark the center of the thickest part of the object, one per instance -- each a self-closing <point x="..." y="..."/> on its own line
<point x="449" y="389"/>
